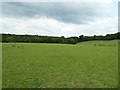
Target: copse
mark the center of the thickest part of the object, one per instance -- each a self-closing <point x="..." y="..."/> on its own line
<point x="51" y="39"/>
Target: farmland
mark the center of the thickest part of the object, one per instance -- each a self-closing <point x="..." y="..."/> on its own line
<point x="92" y="64"/>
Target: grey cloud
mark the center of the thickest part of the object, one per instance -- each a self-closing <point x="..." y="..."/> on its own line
<point x="78" y="13"/>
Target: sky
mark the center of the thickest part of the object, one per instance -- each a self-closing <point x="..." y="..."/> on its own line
<point x="59" y="18"/>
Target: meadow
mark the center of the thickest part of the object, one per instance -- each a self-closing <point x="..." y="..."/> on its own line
<point x="92" y="64"/>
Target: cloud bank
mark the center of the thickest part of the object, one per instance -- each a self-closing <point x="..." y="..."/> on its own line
<point x="68" y="12"/>
<point x="59" y="18"/>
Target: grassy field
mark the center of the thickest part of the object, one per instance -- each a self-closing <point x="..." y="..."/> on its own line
<point x="0" y="65"/>
<point x="92" y="64"/>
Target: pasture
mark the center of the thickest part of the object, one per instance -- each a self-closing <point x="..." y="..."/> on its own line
<point x="92" y="64"/>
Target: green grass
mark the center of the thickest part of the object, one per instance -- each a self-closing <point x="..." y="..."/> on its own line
<point x="0" y="65"/>
<point x="83" y="65"/>
<point x="102" y="43"/>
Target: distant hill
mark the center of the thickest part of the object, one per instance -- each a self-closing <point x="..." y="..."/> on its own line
<point x="50" y="39"/>
<point x="100" y="43"/>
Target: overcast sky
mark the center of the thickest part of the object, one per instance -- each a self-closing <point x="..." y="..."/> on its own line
<point x="60" y="18"/>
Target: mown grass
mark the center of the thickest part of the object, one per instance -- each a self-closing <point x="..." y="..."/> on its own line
<point x="83" y="65"/>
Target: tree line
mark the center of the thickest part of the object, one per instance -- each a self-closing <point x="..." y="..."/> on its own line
<point x="51" y="39"/>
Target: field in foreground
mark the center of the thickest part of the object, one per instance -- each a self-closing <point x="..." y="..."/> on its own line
<point x="84" y="65"/>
